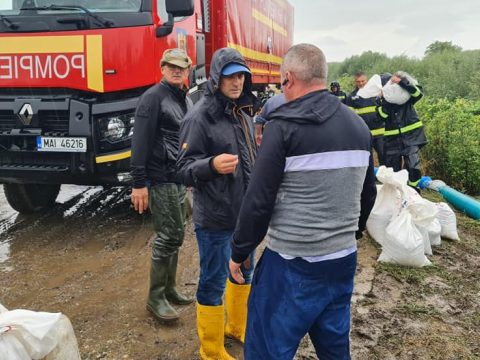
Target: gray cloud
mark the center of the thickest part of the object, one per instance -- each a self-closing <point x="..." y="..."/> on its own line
<point x="346" y="28"/>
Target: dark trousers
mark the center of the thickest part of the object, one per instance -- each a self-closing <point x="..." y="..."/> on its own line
<point x="379" y="146"/>
<point x="167" y="205"/>
<point x="410" y="158"/>
<point x="290" y="298"/>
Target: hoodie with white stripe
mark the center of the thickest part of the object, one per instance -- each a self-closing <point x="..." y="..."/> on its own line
<point x="313" y="185"/>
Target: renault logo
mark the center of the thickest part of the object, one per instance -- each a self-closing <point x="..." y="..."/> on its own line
<point x="26" y="114"/>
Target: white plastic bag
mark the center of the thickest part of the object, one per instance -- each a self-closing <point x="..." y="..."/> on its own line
<point x="448" y="221"/>
<point x="394" y="93"/>
<point x="372" y="88"/>
<point x="434" y="231"/>
<point x="67" y="346"/>
<point x="404" y="243"/>
<point x="387" y="203"/>
<point x="27" y="335"/>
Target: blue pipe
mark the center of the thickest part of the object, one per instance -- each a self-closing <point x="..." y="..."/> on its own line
<point x="462" y="202"/>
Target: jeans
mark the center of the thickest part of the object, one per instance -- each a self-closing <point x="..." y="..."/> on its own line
<point x="290" y="298"/>
<point x="215" y="252"/>
<point x="167" y="205"/>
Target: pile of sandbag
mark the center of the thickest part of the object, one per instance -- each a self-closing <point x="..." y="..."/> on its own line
<point x="27" y="335"/>
<point x="405" y="224"/>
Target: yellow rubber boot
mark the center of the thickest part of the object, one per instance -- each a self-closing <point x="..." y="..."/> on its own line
<point x="210" y="327"/>
<point x="236" y="298"/>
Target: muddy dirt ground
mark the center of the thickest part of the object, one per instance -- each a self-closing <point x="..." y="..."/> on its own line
<point x="89" y="259"/>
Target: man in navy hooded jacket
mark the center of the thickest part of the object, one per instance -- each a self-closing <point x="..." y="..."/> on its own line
<point x="313" y="188"/>
<point x="216" y="158"/>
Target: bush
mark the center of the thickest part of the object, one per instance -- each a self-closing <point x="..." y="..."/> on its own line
<point x="453" y="133"/>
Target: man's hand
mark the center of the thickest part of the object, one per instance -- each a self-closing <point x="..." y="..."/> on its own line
<point x="140" y="199"/>
<point x="236" y="271"/>
<point x="258" y="133"/>
<point x="395" y="79"/>
<point x="225" y="163"/>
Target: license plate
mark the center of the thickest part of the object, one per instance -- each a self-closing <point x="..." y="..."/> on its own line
<point x="61" y="144"/>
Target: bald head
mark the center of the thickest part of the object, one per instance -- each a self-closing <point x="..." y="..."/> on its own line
<point x="307" y="62"/>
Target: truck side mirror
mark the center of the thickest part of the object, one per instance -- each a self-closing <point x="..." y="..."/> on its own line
<point x="166" y="28"/>
<point x="180" y="7"/>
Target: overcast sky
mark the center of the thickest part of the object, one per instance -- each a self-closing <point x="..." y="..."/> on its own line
<point x="349" y="27"/>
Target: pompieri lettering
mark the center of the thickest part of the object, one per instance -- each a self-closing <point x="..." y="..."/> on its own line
<point x="58" y="66"/>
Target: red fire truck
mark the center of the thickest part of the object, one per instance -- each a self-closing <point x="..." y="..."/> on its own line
<point x="71" y="73"/>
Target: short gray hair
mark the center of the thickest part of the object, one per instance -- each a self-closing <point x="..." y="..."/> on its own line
<point x="307" y="62"/>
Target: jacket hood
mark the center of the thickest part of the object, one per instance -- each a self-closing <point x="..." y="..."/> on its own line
<point x="314" y="107"/>
<point x="221" y="58"/>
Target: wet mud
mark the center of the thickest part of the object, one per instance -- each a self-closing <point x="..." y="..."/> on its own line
<point x="89" y="258"/>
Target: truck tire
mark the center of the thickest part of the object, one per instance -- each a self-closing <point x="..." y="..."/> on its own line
<point x="31" y="198"/>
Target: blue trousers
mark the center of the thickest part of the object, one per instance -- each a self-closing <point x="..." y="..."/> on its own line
<point x="215" y="252"/>
<point x="290" y="298"/>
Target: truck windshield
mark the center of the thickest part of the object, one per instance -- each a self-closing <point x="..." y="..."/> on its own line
<point x="13" y="7"/>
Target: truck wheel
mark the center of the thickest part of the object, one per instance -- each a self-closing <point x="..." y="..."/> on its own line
<point x="30" y="198"/>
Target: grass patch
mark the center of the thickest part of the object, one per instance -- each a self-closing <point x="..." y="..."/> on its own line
<point x="416" y="309"/>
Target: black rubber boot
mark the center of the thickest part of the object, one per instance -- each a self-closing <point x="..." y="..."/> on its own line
<point x="171" y="292"/>
<point x="157" y="302"/>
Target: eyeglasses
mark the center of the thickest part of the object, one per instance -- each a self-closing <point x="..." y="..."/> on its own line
<point x="285" y="82"/>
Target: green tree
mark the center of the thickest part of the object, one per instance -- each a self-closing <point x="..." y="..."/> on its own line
<point x="440" y="47"/>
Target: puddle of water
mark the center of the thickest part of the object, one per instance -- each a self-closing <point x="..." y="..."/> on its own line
<point x="4" y="250"/>
<point x="86" y="195"/>
<point x="5" y="209"/>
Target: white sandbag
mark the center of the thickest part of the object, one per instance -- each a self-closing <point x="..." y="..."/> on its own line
<point x="448" y="221"/>
<point x="394" y="93"/>
<point x="27" y="335"/>
<point x="387" y="204"/>
<point x="373" y="88"/>
<point x="67" y="346"/>
<point x="434" y="233"/>
<point x="427" y="246"/>
<point x="404" y="243"/>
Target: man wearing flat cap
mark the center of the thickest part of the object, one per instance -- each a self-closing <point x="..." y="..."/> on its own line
<point x="216" y="158"/>
<point x="159" y="114"/>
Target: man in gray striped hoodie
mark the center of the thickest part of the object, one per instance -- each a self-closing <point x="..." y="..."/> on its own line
<point x="312" y="189"/>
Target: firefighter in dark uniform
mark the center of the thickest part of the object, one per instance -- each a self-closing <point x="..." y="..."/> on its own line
<point x="404" y="135"/>
<point x="365" y="108"/>
<point x="335" y="90"/>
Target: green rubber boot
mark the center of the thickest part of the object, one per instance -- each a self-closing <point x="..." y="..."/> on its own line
<point x="171" y="291"/>
<point x="157" y="302"/>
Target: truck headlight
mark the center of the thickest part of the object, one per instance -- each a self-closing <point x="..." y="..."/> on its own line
<point x="117" y="128"/>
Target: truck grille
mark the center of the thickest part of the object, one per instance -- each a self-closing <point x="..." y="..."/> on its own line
<point x="19" y="160"/>
<point x="49" y="120"/>
<point x="54" y="120"/>
<point x="7" y="120"/>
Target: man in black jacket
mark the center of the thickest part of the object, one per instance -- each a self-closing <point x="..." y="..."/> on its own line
<point x="154" y="152"/>
<point x="404" y="134"/>
<point x="216" y="158"/>
<point x="365" y="108"/>
<point x="335" y="90"/>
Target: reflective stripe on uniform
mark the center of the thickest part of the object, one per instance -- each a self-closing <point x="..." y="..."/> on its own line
<point x="377" y="132"/>
<point x="405" y="129"/>
<point x="381" y="113"/>
<point x="365" y="110"/>
<point x="417" y="93"/>
<point x="414" y="183"/>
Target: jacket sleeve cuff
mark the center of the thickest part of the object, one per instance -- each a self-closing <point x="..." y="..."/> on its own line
<point x="204" y="170"/>
<point x="238" y="257"/>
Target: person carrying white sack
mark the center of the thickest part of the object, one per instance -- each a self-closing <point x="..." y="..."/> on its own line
<point x="404" y="133"/>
